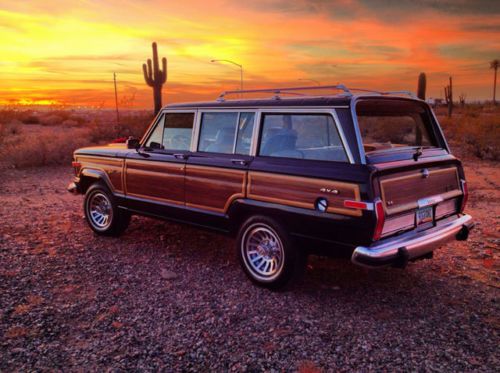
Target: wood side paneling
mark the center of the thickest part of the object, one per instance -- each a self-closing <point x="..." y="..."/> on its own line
<point x="401" y="192"/>
<point x="213" y="188"/>
<point x="113" y="168"/>
<point x="301" y="192"/>
<point x="159" y="181"/>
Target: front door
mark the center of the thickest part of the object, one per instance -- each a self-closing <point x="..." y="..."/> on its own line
<point x="216" y="173"/>
<point x="155" y="173"/>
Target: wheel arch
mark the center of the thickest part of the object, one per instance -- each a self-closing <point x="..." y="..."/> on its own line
<point x="89" y="176"/>
<point x="242" y="209"/>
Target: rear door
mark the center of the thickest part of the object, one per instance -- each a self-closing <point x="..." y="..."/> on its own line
<point x="417" y="179"/>
<point x="156" y="172"/>
<point x="216" y="171"/>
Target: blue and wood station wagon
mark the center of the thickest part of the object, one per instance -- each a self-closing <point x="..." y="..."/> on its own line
<point x="360" y="174"/>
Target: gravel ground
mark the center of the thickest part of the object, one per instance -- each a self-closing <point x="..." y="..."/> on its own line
<point x="166" y="296"/>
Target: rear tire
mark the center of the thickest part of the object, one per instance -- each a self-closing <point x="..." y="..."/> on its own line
<point x="102" y="212"/>
<point x="268" y="255"/>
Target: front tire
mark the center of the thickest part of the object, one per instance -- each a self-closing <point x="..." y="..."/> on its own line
<point x="268" y="255"/>
<point x="102" y="212"/>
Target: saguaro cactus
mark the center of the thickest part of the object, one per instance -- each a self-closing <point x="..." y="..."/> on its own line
<point x="422" y="84"/>
<point x="155" y="77"/>
<point x="494" y="65"/>
<point x="461" y="98"/>
<point x="448" y="96"/>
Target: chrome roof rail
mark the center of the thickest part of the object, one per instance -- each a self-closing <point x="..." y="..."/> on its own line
<point x="384" y="93"/>
<point x="287" y="90"/>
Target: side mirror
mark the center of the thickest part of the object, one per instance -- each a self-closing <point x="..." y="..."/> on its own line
<point x="132" y="143"/>
<point x="155" y="145"/>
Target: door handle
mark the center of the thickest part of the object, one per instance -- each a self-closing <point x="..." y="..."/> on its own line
<point x="181" y="156"/>
<point x="240" y="162"/>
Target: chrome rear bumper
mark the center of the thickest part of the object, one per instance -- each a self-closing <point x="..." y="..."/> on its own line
<point x="412" y="245"/>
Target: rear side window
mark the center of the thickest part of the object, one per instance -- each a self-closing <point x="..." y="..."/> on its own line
<point x="301" y="136"/>
<point x="226" y="133"/>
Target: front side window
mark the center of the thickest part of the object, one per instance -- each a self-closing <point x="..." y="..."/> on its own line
<point x="301" y="136"/>
<point x="226" y="133"/>
<point x="172" y="132"/>
<point x="390" y="124"/>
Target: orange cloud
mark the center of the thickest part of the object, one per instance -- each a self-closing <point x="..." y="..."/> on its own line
<point x="66" y="52"/>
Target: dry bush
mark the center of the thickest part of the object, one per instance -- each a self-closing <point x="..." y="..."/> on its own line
<point x="50" y="147"/>
<point x="10" y="130"/>
<point x="477" y="130"/>
<point x="53" y="136"/>
<point x="133" y="124"/>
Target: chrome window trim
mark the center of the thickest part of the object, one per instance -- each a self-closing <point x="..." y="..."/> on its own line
<point x="340" y="129"/>
<point x="447" y="147"/>
<point x="152" y="125"/>
<point x="255" y="108"/>
<point x="196" y="134"/>
<point x="314" y="110"/>
<point x="361" y="149"/>
<point x="236" y="131"/>
<point x="255" y="134"/>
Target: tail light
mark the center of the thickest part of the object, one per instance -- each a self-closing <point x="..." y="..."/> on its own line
<point x="465" y="196"/>
<point x="357" y="205"/>
<point x="380" y="215"/>
<point x="76" y="166"/>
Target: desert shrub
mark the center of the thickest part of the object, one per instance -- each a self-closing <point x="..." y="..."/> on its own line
<point x="476" y="130"/>
<point x="8" y="130"/>
<point x="51" y="120"/>
<point x="135" y="124"/>
<point x="31" y="119"/>
<point x="70" y="123"/>
<point x="10" y="115"/>
<point x="43" y="148"/>
<point x="101" y="132"/>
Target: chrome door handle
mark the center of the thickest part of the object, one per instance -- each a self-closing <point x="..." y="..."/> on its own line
<point x="240" y="162"/>
<point x="181" y="156"/>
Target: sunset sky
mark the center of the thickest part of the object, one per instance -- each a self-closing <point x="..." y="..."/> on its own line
<point x="65" y="52"/>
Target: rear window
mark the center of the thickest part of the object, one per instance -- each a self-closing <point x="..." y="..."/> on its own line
<point x="390" y="124"/>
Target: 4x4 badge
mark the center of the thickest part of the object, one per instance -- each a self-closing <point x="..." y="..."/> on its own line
<point x="425" y="173"/>
<point x="328" y="190"/>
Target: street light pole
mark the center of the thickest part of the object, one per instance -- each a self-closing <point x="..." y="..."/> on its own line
<point x="236" y="64"/>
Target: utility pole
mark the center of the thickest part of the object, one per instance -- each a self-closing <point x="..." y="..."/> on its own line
<point x="116" y="105"/>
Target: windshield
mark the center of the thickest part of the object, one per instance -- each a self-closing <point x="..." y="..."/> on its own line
<point x="390" y="124"/>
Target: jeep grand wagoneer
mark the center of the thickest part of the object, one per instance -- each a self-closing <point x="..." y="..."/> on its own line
<point x="363" y="174"/>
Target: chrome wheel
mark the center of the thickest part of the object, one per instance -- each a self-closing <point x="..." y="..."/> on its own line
<point x="262" y="251"/>
<point x="100" y="211"/>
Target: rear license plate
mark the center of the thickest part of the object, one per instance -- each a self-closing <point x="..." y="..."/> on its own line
<point x="424" y="215"/>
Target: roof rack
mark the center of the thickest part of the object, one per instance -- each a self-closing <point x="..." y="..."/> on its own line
<point x="384" y="93"/>
<point x="292" y="91"/>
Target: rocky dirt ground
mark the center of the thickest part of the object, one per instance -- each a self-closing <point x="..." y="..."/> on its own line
<point x="173" y="297"/>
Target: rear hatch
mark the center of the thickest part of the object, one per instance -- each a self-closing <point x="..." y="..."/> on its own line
<point x="415" y="177"/>
<point x="417" y="198"/>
